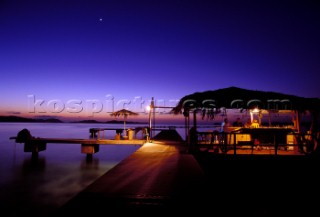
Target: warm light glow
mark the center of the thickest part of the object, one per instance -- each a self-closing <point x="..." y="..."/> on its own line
<point x="252" y="112"/>
<point x="148" y="108"/>
<point x="255" y="110"/>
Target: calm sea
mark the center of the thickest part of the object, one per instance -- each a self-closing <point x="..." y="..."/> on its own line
<point x="61" y="171"/>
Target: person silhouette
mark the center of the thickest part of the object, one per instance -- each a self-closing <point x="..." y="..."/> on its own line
<point x="237" y="123"/>
<point x="225" y="125"/>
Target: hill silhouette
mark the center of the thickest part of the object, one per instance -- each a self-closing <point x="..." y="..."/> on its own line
<point x="31" y="120"/>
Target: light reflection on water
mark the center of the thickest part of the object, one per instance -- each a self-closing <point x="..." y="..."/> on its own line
<point x="60" y="172"/>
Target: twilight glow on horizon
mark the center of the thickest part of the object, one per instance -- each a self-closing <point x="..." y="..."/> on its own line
<point x="106" y="55"/>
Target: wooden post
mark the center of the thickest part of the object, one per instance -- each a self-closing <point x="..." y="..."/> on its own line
<point x="89" y="157"/>
<point x="275" y="141"/>
<point x="195" y="119"/>
<point x="234" y="144"/>
<point x="298" y="114"/>
<point x="150" y="117"/>
<point x="89" y="149"/>
<point x="187" y="126"/>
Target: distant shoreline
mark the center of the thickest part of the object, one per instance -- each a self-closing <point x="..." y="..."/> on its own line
<point x="17" y="119"/>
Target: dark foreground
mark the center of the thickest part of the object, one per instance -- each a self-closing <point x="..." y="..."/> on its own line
<point x="262" y="185"/>
<point x="202" y="184"/>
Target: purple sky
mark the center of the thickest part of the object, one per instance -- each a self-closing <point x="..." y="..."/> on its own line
<point x="67" y="52"/>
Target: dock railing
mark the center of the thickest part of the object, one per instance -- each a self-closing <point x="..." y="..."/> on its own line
<point x="118" y="133"/>
<point x="274" y="142"/>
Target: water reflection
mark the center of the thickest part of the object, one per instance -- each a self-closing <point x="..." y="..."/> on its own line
<point x="91" y="163"/>
<point x="34" y="163"/>
<point x="40" y="189"/>
<point x="39" y="184"/>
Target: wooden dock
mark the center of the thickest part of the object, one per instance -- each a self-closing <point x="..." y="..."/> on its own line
<point x="159" y="176"/>
<point x="87" y="141"/>
<point x="99" y="132"/>
<point x="163" y="177"/>
<point x="88" y="146"/>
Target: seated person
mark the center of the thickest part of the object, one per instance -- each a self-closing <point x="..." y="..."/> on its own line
<point x="237" y="123"/>
<point x="225" y="125"/>
<point x="248" y="123"/>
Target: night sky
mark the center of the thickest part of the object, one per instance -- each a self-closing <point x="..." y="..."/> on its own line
<point x="129" y="51"/>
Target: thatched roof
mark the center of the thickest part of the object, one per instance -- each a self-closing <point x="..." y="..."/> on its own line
<point x="234" y="97"/>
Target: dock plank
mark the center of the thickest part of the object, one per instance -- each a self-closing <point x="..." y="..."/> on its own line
<point x="158" y="176"/>
<point x="87" y="141"/>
